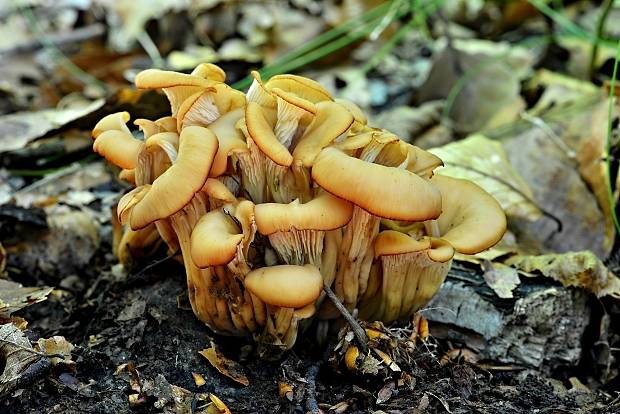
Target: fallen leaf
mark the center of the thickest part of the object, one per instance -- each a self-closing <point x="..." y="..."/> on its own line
<point x="14" y="297"/>
<point x="481" y="76"/>
<point x="57" y="347"/>
<point x="231" y="369"/>
<point x="385" y="393"/>
<point x="21" y="362"/>
<point x="484" y="161"/>
<point x="407" y="122"/>
<point x="18" y="129"/>
<point x="501" y="278"/>
<point x="573" y="269"/>
<point x="543" y="158"/>
<point x="199" y="380"/>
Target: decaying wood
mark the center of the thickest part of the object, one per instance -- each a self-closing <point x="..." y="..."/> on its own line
<point x="542" y="327"/>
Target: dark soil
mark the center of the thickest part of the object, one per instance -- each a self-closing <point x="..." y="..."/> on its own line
<point x="114" y="320"/>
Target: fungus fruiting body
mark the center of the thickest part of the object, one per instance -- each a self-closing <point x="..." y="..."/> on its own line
<point x="272" y="195"/>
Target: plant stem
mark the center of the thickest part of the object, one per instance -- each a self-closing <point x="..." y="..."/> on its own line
<point x="359" y="333"/>
<point x="600" y="26"/>
<point x="612" y="100"/>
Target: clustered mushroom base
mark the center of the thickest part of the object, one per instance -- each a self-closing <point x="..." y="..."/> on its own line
<point x="270" y="196"/>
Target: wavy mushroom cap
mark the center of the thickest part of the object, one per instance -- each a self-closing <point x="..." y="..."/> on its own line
<point x="113" y="122"/>
<point x="129" y="200"/>
<point x="215" y="239"/>
<point x="331" y="121"/>
<point x="172" y="190"/>
<point x="287" y="286"/>
<point x="422" y="162"/>
<point x="177" y="86"/>
<point x="325" y="212"/>
<point x="210" y="71"/>
<point x="259" y="94"/>
<point x="358" y="115"/>
<point x="206" y="106"/>
<point x="304" y="88"/>
<point x="217" y="190"/>
<point x="472" y="220"/>
<point x="229" y="137"/>
<point x="119" y="147"/>
<point x="261" y="132"/>
<point x="391" y="242"/>
<point x="386" y="192"/>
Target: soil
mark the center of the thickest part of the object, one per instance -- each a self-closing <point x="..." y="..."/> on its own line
<point x="143" y="318"/>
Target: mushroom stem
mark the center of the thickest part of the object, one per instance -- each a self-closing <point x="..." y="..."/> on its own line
<point x="207" y="291"/>
<point x="432" y="228"/>
<point x="356" y="256"/>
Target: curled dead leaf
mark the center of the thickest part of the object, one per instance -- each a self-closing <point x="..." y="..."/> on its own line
<point x="231" y="369"/>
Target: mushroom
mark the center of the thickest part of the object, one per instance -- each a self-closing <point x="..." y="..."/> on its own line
<point x="296" y="231"/>
<point x="412" y="270"/>
<point x="220" y="243"/>
<point x="411" y="273"/>
<point x="113" y="122"/>
<point x="289" y="292"/>
<point x="376" y="191"/>
<point x="472" y="220"/>
<point x="177" y="86"/>
<point x="113" y="140"/>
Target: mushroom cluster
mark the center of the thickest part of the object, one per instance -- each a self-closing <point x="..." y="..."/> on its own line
<point x="273" y="194"/>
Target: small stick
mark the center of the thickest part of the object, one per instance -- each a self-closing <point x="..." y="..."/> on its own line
<point x="355" y="326"/>
<point x="311" y="403"/>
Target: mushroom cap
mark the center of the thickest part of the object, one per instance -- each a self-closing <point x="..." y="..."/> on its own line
<point x="263" y="136"/>
<point x="422" y="162"/>
<point x="177" y="86"/>
<point x="325" y="212"/>
<point x="331" y="121"/>
<point x="386" y="192"/>
<point x="305" y="88"/>
<point x="287" y="286"/>
<point x="258" y="92"/>
<point x="214" y="239"/>
<point x="217" y="190"/>
<point x="294" y="100"/>
<point x="196" y="109"/>
<point x="391" y="242"/>
<point x="210" y="71"/>
<point x="356" y="111"/>
<point x="116" y="121"/>
<point x="119" y="147"/>
<point x="157" y="78"/>
<point x="472" y="220"/>
<point x="172" y="190"/>
<point x="229" y="137"/>
<point x="441" y="250"/>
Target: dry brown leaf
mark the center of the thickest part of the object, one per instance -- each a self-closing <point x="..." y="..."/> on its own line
<point x="21" y="361"/>
<point x="484" y="161"/>
<point x="55" y="347"/>
<point x="231" y="369"/>
<point x="573" y="269"/>
<point x="14" y="297"/>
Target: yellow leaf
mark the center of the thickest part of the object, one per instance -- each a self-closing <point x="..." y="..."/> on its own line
<point x="577" y="269"/>
<point x="231" y="369"/>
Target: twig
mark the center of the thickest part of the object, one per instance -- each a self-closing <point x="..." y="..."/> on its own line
<point x="154" y="264"/>
<point x="355" y="326"/>
<point x="311" y="403"/>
